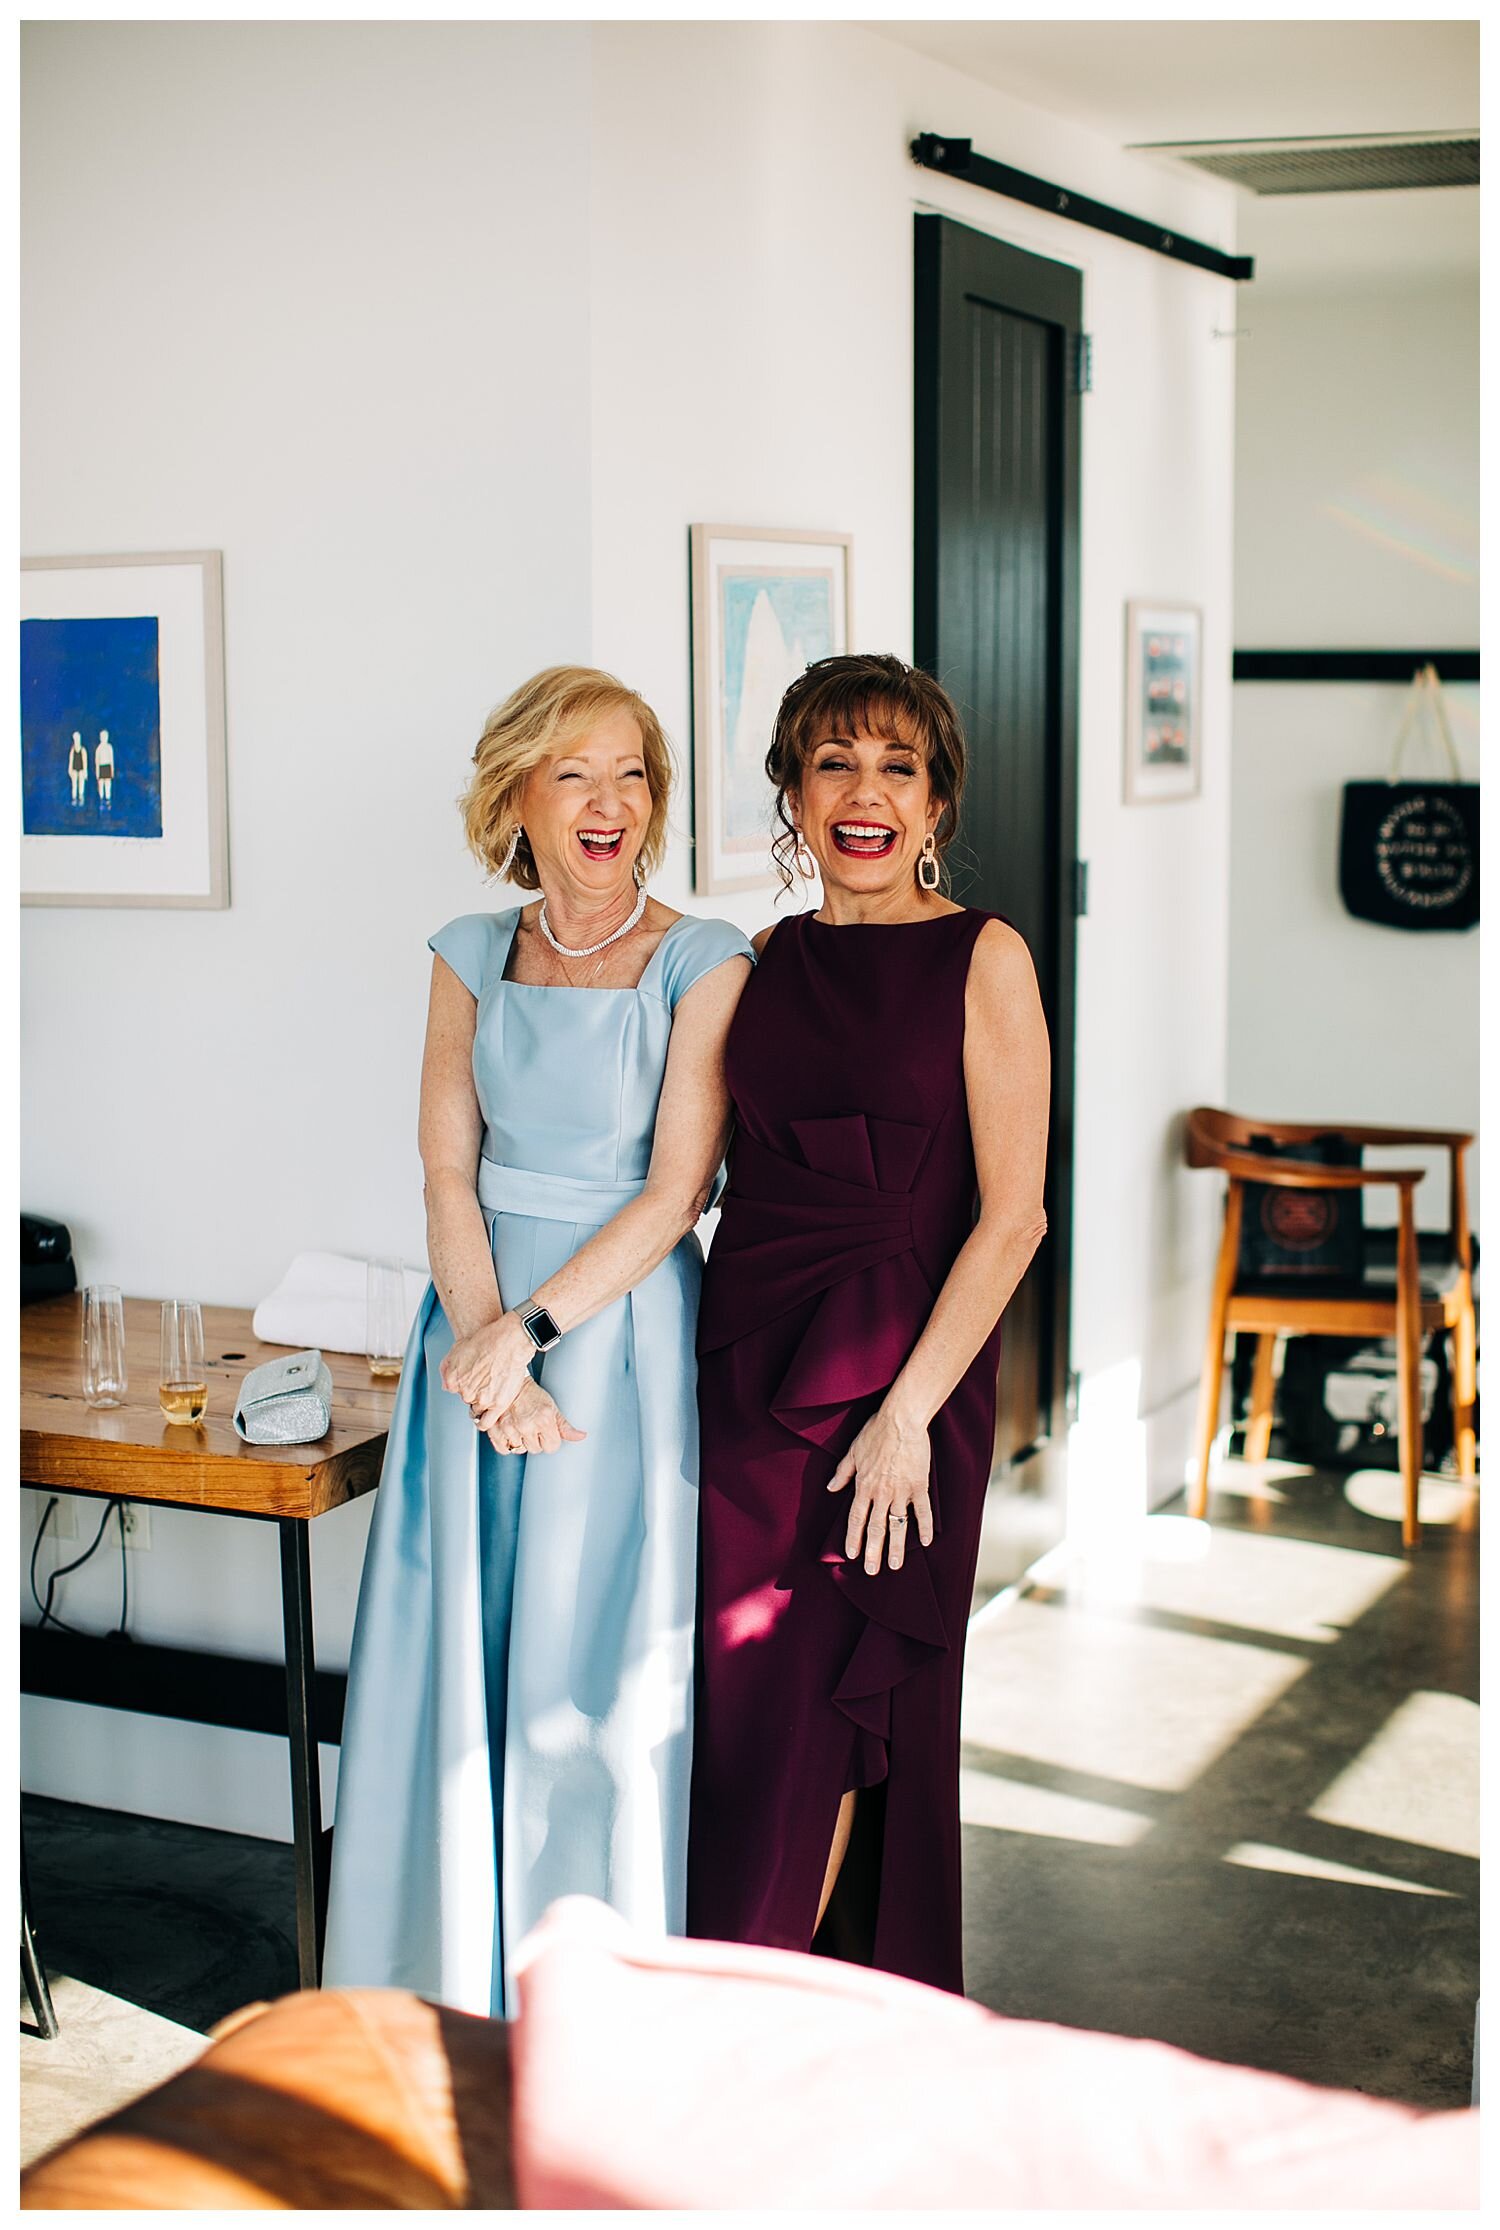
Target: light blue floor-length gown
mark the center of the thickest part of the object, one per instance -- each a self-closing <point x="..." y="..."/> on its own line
<point x="519" y="1715"/>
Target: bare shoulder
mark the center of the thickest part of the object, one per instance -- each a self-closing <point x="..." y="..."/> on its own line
<point x="1001" y="959"/>
<point x="763" y="937"/>
<point x="1002" y="994"/>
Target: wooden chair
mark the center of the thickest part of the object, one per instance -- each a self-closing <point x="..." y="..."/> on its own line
<point x="1425" y="1297"/>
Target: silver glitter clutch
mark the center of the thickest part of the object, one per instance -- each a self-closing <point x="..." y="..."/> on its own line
<point x="286" y="1402"/>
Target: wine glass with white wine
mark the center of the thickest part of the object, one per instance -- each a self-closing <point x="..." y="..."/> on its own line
<point x="183" y="1387"/>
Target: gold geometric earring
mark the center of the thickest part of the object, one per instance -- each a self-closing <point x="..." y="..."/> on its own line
<point x="803" y="861"/>
<point x="928" y="871"/>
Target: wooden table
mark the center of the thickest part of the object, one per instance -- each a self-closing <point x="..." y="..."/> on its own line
<point x="134" y="1454"/>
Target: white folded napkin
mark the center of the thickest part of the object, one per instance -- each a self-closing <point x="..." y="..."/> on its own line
<point x="320" y="1302"/>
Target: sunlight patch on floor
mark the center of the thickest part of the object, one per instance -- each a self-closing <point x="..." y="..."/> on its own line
<point x="1020" y="1808"/>
<point x="1414" y="1781"/>
<point x="106" y="2052"/>
<point x="1268" y="1583"/>
<point x="1099" y="1695"/>
<point x="1267" y="1860"/>
<point x="1379" y="1494"/>
<point x="1254" y="1482"/>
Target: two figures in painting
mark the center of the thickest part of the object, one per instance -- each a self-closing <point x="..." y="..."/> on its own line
<point x="91" y="698"/>
<point x="104" y="769"/>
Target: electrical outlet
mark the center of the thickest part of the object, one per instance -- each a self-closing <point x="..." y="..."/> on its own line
<point x="62" y="1525"/>
<point x="137" y="1525"/>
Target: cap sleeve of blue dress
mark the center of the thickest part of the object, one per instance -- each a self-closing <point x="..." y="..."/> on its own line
<point x="472" y="946"/>
<point x="694" y="945"/>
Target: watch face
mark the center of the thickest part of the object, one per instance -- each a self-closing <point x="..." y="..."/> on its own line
<point x="542" y="1326"/>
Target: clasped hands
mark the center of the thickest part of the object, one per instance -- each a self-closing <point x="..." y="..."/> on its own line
<point x="491" y="1370"/>
<point x="889" y="1464"/>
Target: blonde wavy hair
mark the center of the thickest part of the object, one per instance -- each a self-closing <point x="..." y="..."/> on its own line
<point x="554" y="708"/>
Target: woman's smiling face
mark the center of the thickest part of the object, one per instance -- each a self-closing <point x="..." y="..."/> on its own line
<point x="586" y="809"/>
<point x="864" y="808"/>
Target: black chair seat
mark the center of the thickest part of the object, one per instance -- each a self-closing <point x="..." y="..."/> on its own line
<point x="1438" y="1272"/>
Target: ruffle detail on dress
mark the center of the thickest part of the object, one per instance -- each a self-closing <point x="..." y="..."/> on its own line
<point x="903" y="1628"/>
<point x="860" y="1334"/>
<point x="837" y="1225"/>
<point x="792" y="1229"/>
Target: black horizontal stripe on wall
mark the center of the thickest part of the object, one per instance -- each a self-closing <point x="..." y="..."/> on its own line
<point x="1353" y="665"/>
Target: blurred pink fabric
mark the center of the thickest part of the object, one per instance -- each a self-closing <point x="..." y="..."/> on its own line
<point x="671" y="2073"/>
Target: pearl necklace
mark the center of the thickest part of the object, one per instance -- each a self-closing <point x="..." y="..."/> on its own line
<point x="581" y="952"/>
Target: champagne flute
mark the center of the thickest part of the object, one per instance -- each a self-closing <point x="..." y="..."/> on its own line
<point x="385" y="1317"/>
<point x="104" y="1379"/>
<point x="183" y="1387"/>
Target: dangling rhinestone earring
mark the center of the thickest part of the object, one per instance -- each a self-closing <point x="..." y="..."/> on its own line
<point x="505" y="865"/>
<point x="928" y="870"/>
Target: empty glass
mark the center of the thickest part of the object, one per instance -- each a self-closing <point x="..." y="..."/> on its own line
<point x="385" y="1317"/>
<point x="104" y="1380"/>
<point x="183" y="1387"/>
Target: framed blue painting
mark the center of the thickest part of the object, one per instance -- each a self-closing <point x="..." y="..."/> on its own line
<point x="767" y="602"/>
<point x="122" y="731"/>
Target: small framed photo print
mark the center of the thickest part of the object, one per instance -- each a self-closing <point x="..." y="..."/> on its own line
<point x="122" y="731"/>
<point x="767" y="602"/>
<point x="1163" y="677"/>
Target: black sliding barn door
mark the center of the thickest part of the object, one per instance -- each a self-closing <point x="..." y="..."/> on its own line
<point x="997" y="623"/>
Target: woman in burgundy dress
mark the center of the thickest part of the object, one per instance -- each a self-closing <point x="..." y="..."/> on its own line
<point x="888" y="1063"/>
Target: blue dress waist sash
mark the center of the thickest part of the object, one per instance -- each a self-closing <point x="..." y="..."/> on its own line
<point x="504" y="1189"/>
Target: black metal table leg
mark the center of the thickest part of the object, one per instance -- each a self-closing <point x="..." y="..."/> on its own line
<point x="33" y="1974"/>
<point x="302" y="1743"/>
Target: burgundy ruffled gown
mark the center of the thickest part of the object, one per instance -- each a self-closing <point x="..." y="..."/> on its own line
<point x="852" y="1188"/>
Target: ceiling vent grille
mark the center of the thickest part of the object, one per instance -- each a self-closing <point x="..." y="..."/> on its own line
<point x="1341" y="166"/>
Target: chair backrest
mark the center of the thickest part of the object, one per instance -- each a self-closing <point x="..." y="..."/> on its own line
<point x="1211" y="1133"/>
<point x="1313" y="1237"/>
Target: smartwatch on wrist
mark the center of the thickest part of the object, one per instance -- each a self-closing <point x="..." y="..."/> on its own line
<point x="539" y="1325"/>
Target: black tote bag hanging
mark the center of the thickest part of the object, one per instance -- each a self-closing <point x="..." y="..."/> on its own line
<point x="1409" y="851"/>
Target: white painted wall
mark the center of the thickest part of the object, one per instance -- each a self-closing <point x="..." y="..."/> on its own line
<point x="1357" y="525"/>
<point x="725" y="334"/>
<point x="752" y="351"/>
<point x="314" y="295"/>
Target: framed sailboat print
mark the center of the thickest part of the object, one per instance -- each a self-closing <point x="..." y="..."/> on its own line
<point x="766" y="603"/>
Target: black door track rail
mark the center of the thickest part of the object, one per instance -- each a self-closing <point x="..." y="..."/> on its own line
<point x="956" y="158"/>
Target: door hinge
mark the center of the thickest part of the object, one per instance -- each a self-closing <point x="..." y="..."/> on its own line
<point x="1072" y="1396"/>
<point x="1082" y="353"/>
<point x="1080" y="886"/>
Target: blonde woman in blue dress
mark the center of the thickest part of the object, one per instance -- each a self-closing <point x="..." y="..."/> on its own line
<point x="519" y="1714"/>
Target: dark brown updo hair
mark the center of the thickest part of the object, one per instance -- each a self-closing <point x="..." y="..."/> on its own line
<point x="883" y="696"/>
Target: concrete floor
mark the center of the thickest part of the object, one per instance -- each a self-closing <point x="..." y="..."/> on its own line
<point x="106" y="2053"/>
<point x="1219" y="1787"/>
